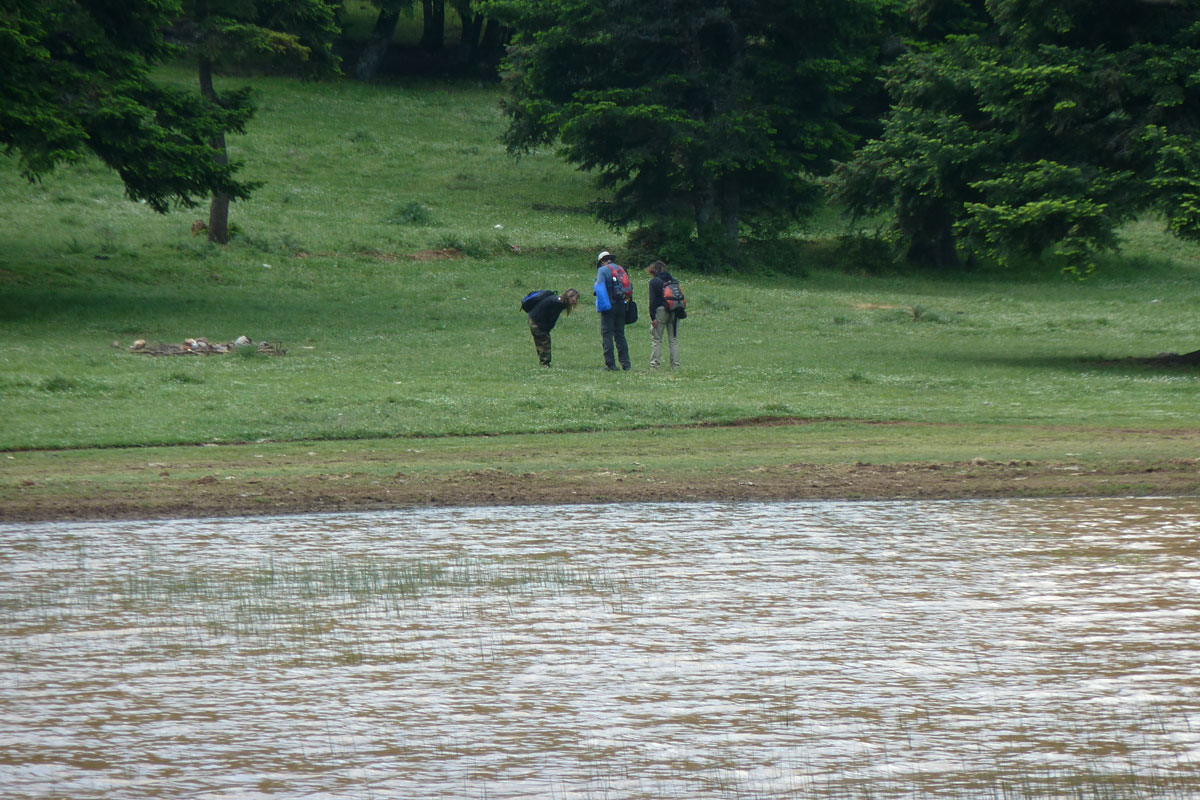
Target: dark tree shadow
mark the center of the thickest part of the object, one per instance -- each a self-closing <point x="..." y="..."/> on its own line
<point x="1173" y="360"/>
<point x="1164" y="362"/>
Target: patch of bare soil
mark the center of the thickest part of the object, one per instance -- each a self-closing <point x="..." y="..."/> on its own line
<point x="211" y="496"/>
<point x="435" y="255"/>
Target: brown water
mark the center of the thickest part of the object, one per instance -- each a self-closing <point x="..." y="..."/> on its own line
<point x="828" y="650"/>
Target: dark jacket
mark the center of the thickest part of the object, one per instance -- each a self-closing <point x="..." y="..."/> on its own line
<point x="656" y="290"/>
<point x="545" y="314"/>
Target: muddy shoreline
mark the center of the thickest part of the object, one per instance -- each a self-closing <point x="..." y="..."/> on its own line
<point x="209" y="496"/>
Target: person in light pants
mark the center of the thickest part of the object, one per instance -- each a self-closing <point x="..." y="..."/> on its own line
<point x="662" y="320"/>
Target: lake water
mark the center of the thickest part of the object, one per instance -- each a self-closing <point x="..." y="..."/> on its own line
<point x="994" y="649"/>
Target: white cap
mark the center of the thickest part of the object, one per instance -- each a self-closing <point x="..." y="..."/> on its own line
<point x="604" y="253"/>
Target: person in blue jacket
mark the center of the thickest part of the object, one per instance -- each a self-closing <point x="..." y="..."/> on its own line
<point x="612" y="289"/>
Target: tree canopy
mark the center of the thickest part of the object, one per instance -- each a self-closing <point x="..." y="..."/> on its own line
<point x="1002" y="127"/>
<point x="76" y="80"/>
<point x="234" y="33"/>
<point x="1041" y="128"/>
<point x="716" y="113"/>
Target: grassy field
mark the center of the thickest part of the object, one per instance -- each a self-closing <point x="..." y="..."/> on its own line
<point x="339" y="259"/>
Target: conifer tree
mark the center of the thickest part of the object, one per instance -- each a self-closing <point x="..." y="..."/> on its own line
<point x="702" y="119"/>
<point x="1040" y="130"/>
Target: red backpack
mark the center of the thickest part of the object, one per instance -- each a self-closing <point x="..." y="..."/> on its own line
<point x="618" y="283"/>
<point x="673" y="297"/>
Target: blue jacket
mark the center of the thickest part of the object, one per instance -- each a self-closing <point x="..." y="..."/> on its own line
<point x="600" y="289"/>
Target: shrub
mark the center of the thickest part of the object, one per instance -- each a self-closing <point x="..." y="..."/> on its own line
<point x="413" y="213"/>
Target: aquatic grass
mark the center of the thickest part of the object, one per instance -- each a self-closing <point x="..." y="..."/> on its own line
<point x="298" y="600"/>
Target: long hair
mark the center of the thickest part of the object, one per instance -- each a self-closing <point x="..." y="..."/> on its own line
<point x="655" y="268"/>
<point x="571" y="298"/>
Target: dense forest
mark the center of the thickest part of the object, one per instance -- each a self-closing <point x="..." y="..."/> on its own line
<point x="965" y="129"/>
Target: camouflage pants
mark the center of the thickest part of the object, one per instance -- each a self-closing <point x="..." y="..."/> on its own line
<point x="541" y="340"/>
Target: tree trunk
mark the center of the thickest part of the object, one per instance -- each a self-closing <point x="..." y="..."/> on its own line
<point x="491" y="49"/>
<point x="731" y="219"/>
<point x="377" y="43"/>
<point x="468" y="41"/>
<point x="937" y="249"/>
<point x="704" y="201"/>
<point x="218" y="210"/>
<point x="218" y="215"/>
<point x="433" y="34"/>
<point x="472" y="24"/>
<point x="929" y="229"/>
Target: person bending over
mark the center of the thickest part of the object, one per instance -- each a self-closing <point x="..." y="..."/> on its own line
<point x="544" y="316"/>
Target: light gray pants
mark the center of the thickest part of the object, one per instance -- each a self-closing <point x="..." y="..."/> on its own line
<point x="666" y="323"/>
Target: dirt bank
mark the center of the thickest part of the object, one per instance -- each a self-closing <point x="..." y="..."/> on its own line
<point x="165" y="496"/>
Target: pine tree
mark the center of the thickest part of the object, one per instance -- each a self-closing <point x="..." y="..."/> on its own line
<point x="703" y="119"/>
<point x="1040" y="131"/>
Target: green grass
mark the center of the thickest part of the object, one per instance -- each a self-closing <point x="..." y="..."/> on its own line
<point x="359" y="179"/>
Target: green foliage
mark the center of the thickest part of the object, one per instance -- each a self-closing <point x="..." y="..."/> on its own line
<point x="1015" y="221"/>
<point x="932" y="20"/>
<point x="676" y="240"/>
<point x="1045" y="133"/>
<point x="714" y="113"/>
<point x="1176" y="181"/>
<point x="473" y="246"/>
<point x="297" y="34"/>
<point x="76" y="81"/>
<point x="413" y="212"/>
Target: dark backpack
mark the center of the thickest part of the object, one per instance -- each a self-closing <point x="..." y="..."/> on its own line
<point x="673" y="297"/>
<point x="533" y="298"/>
